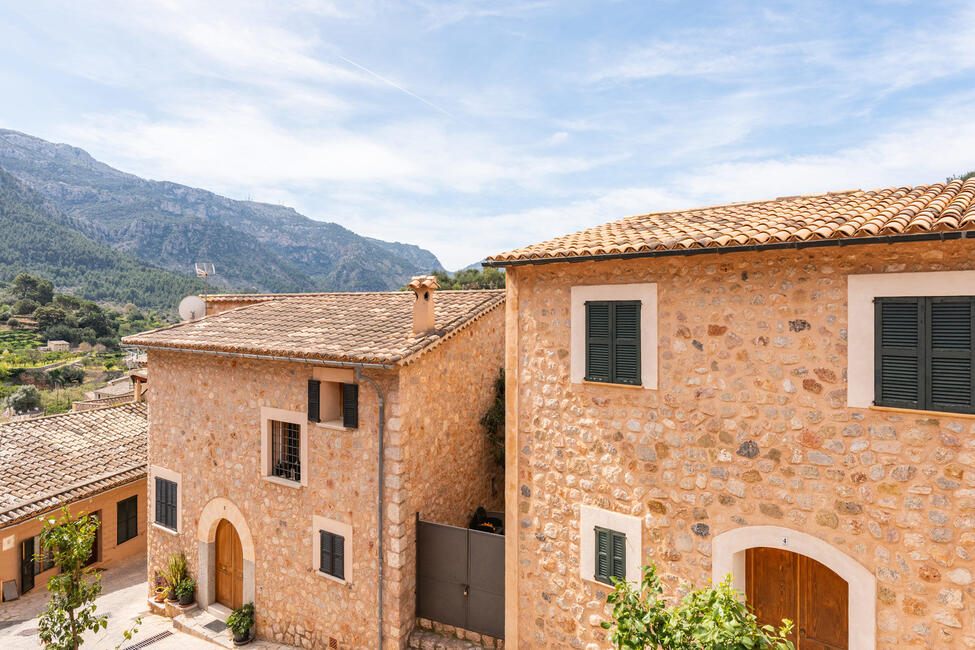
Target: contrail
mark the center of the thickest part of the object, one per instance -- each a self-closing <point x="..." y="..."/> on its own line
<point x="398" y="87"/>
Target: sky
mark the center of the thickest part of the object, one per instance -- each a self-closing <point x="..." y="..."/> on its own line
<point x="470" y="128"/>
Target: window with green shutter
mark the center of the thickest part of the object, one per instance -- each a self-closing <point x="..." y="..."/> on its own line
<point x="610" y="555"/>
<point x="613" y="342"/>
<point x="126" y="519"/>
<point x="166" y="500"/>
<point x="332" y="554"/>
<point x="314" y="400"/>
<point x="923" y="355"/>
<point x="350" y="406"/>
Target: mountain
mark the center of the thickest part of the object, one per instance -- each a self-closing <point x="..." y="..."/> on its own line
<point x="36" y="239"/>
<point x="255" y="246"/>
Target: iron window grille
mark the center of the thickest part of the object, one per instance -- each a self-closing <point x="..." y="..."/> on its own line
<point x="126" y="519"/>
<point x="610" y="555"/>
<point x="166" y="503"/>
<point x="332" y="560"/>
<point x="286" y="450"/>
<point x="923" y="357"/>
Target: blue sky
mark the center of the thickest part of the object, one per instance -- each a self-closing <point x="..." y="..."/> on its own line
<point x="472" y="127"/>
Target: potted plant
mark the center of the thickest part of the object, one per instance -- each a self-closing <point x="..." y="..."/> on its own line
<point x="241" y="623"/>
<point x="175" y="573"/>
<point x="160" y="593"/>
<point x="159" y="586"/>
<point x="184" y="590"/>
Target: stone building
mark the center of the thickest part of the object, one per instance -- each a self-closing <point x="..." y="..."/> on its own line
<point x="92" y="462"/>
<point x="265" y="457"/>
<point x="780" y="391"/>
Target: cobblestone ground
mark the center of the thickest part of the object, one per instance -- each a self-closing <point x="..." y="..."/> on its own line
<point x="429" y="640"/>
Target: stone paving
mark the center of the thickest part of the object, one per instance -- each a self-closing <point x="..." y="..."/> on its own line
<point x="429" y="640"/>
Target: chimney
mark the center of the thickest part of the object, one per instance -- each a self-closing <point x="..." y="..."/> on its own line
<point x="423" y="286"/>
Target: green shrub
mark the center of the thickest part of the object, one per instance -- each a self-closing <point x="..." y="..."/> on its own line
<point x="25" y="398"/>
<point x="25" y="307"/>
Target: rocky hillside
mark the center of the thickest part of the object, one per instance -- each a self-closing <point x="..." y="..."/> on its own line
<point x="255" y="246"/>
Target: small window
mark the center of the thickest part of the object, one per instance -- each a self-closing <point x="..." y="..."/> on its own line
<point x="610" y="555"/>
<point x="126" y="519"/>
<point x="332" y="552"/>
<point x="613" y="342"/>
<point x="286" y="450"/>
<point x="166" y="503"/>
<point x="924" y="353"/>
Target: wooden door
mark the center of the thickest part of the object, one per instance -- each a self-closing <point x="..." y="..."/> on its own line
<point x="781" y="584"/>
<point x="230" y="566"/>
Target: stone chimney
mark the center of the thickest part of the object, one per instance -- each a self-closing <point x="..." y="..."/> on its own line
<point x="423" y="318"/>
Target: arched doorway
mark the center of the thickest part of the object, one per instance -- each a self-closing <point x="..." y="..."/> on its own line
<point x="780" y="584"/>
<point x="730" y="553"/>
<point x="229" y="566"/>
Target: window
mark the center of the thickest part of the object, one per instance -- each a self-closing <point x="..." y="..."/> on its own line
<point x="126" y="519"/>
<point x="286" y="450"/>
<point x="332" y="551"/>
<point x="613" y="342"/>
<point x="923" y="356"/>
<point x="610" y="555"/>
<point x="333" y="403"/>
<point x="166" y="498"/>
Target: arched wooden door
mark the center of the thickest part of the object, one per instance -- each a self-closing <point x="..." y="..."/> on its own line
<point x="781" y="584"/>
<point x="230" y="566"/>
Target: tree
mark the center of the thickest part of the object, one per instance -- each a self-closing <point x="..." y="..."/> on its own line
<point x="493" y="421"/>
<point x="66" y="375"/>
<point x="25" y="307"/>
<point x="26" y="286"/>
<point x="71" y="610"/>
<point x="49" y="315"/>
<point x="961" y="177"/>
<point x="710" y="618"/>
<point x="25" y="398"/>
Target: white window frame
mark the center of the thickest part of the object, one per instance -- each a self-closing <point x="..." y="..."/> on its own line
<point x="175" y="477"/>
<point x="861" y="290"/>
<point x="646" y="293"/>
<point x="319" y="523"/>
<point x="299" y="418"/>
<point x="632" y="527"/>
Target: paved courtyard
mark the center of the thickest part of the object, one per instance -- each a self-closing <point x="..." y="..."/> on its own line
<point x="123" y="599"/>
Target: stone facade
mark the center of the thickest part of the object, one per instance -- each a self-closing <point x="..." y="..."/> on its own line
<point x="205" y="425"/>
<point x="749" y="426"/>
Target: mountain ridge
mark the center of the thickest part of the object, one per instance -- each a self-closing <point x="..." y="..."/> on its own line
<point x="255" y="246"/>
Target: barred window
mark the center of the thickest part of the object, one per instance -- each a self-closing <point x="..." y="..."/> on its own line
<point x="286" y="450"/>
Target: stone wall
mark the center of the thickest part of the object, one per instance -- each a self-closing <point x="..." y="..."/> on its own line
<point x="749" y="426"/>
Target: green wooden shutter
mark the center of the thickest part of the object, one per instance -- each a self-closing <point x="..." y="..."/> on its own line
<point x="950" y="362"/>
<point x="619" y="556"/>
<point x="898" y="360"/>
<point x="338" y="556"/>
<point x="350" y="406"/>
<point x="314" y="400"/>
<point x="598" y="342"/>
<point x="325" y="561"/>
<point x="626" y="343"/>
<point x="26" y="565"/>
<point x="603" y="560"/>
<point x="160" y="501"/>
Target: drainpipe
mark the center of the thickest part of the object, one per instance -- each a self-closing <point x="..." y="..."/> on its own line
<point x="382" y="457"/>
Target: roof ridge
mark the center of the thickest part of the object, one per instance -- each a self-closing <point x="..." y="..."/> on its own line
<point x="70" y="413"/>
<point x="778" y="199"/>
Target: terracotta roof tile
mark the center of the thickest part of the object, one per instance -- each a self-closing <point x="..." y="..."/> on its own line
<point x="350" y="327"/>
<point x="46" y="462"/>
<point x="940" y="207"/>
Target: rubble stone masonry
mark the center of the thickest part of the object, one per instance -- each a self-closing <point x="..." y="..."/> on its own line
<point x="749" y="426"/>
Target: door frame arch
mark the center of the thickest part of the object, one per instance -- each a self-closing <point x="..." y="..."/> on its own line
<point x="728" y="556"/>
<point x="206" y="535"/>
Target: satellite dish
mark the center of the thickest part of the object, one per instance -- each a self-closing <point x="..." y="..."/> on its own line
<point x="192" y="308"/>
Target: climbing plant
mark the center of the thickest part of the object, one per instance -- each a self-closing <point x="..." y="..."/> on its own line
<point x="493" y="421"/>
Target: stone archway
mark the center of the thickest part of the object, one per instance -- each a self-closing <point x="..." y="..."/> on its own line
<point x="206" y="534"/>
<point x="728" y="556"/>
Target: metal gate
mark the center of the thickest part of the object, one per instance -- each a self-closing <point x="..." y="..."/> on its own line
<point x="460" y="577"/>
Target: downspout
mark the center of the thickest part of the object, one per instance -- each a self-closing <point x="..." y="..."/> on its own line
<point x="382" y="457"/>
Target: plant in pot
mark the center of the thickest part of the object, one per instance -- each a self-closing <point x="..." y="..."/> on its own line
<point x="241" y="623"/>
<point x="175" y="573"/>
<point x="184" y="590"/>
<point x="159" y="586"/>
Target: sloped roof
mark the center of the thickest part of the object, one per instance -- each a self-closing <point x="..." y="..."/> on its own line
<point x="347" y="327"/>
<point x="937" y="208"/>
<point x="49" y="461"/>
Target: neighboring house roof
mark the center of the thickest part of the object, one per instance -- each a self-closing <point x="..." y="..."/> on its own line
<point x="339" y="327"/>
<point x="906" y="212"/>
<point x="50" y="461"/>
